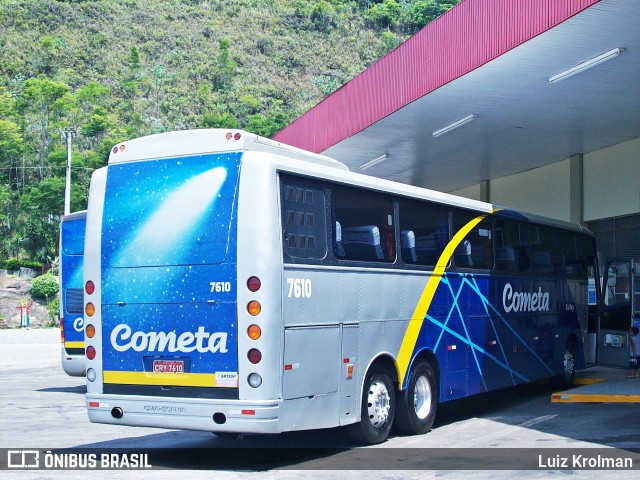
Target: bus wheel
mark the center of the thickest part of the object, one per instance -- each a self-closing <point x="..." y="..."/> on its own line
<point x="377" y="409"/>
<point x="417" y="404"/>
<point x="568" y="365"/>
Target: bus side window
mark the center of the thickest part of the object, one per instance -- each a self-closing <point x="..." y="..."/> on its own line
<point x="424" y="229"/>
<point x="476" y="250"/>
<point x="364" y="226"/>
<point x="303" y="219"/>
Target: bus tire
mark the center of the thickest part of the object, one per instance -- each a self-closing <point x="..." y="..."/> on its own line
<point x="377" y="409"/>
<point x="568" y="365"/>
<point x="417" y="404"/>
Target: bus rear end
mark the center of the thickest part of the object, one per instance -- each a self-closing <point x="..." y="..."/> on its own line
<point x="161" y="287"/>
<point x="71" y="258"/>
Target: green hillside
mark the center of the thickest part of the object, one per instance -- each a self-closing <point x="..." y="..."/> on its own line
<point x="119" y="69"/>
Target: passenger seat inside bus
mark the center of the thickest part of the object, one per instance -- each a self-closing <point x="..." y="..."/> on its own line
<point x="338" y="247"/>
<point x="506" y="258"/>
<point x="427" y="249"/>
<point x="541" y="262"/>
<point x="463" y="255"/>
<point x="362" y="243"/>
<point x="408" y="243"/>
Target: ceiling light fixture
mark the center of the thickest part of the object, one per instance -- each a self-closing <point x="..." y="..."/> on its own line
<point x="454" y="125"/>
<point x="586" y="65"/>
<point x="375" y="161"/>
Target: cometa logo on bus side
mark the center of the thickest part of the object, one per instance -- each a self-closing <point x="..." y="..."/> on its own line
<point x="524" y="301"/>
<point x="123" y="339"/>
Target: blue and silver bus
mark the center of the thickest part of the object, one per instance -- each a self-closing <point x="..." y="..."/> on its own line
<point x="236" y="284"/>
<point x="71" y="258"/>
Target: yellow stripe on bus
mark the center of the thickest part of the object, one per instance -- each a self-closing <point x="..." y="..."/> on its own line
<point x="168" y="379"/>
<point x="417" y="319"/>
<point x="73" y="344"/>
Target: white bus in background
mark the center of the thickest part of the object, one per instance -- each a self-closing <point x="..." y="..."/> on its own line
<point x="71" y="258"/>
<point x="235" y="284"/>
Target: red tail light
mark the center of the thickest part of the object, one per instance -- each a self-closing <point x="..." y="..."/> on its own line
<point x="91" y="352"/>
<point x="254" y="284"/>
<point x="254" y="355"/>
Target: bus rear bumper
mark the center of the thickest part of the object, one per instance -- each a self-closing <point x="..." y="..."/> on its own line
<point x="73" y="365"/>
<point x="186" y="413"/>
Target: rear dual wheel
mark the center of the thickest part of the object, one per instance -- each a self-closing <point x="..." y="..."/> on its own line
<point x="417" y="404"/>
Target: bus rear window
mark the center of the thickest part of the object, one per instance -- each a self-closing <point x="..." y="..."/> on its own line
<point x="73" y="237"/>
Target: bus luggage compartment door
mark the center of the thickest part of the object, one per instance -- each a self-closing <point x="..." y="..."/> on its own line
<point x="311" y="361"/>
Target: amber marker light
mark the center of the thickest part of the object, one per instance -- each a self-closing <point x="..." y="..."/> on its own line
<point x="90" y="331"/>
<point x="90" y="309"/>
<point x="254" y="307"/>
<point x="254" y="332"/>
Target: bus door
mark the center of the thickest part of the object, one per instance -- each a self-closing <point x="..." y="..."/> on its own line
<point x="620" y="310"/>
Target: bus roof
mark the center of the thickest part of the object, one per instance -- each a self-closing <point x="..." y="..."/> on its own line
<point x="75" y="216"/>
<point x="411" y="191"/>
<point x="206" y="141"/>
<point x="195" y="142"/>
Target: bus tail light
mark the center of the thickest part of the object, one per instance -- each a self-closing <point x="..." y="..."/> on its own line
<point x="89" y="287"/>
<point x="61" y="330"/>
<point x="90" y="309"/>
<point x="254" y="332"/>
<point x="254" y="380"/>
<point x="254" y="355"/>
<point x="91" y="352"/>
<point x="254" y="308"/>
<point x="254" y="284"/>
<point x="90" y="330"/>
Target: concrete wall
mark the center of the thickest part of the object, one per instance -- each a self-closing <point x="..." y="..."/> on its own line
<point x="606" y="183"/>
<point x="612" y="181"/>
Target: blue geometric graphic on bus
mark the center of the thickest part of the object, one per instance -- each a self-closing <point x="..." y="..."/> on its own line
<point x="169" y="231"/>
<point x="480" y="348"/>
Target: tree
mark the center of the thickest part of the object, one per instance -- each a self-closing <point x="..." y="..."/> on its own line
<point x="41" y="96"/>
<point x="423" y="12"/>
<point x="322" y="16"/>
<point x="225" y="67"/>
<point x="97" y="125"/>
<point x="11" y="147"/>
<point x="385" y="14"/>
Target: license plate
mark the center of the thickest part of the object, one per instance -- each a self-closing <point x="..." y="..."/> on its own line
<point x="168" y="366"/>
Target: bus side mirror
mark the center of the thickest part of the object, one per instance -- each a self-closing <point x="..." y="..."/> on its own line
<point x="611" y="277"/>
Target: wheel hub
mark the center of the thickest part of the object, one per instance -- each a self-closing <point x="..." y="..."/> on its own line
<point x="378" y="404"/>
<point x="422" y="398"/>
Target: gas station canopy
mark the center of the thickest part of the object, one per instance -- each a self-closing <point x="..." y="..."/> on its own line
<point x="489" y="89"/>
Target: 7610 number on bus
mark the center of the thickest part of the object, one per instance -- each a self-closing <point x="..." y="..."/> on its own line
<point x="299" y="287"/>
